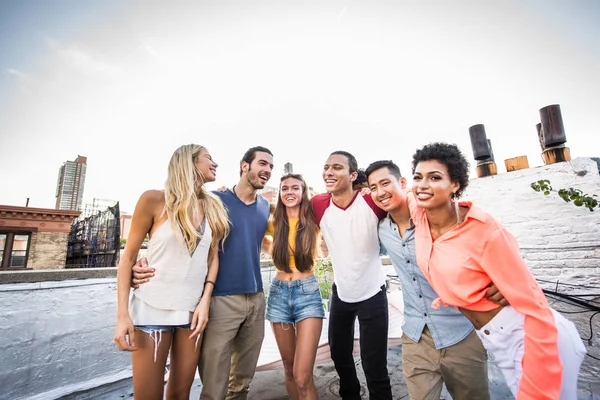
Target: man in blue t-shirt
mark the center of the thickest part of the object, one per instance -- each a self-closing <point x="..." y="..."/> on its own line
<point x="234" y="334"/>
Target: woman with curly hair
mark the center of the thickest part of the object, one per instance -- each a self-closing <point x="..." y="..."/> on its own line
<point x="185" y="223"/>
<point x="294" y="306"/>
<point x="462" y="250"/>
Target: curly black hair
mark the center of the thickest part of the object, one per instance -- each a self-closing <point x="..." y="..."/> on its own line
<point x="449" y="155"/>
<point x="361" y="179"/>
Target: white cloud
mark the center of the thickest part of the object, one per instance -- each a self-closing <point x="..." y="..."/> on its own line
<point x="83" y="61"/>
<point x="149" y="48"/>
<point x="23" y="79"/>
<point x="341" y="13"/>
<point x="17" y="73"/>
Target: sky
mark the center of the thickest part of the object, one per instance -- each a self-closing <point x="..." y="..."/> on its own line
<point x="125" y="83"/>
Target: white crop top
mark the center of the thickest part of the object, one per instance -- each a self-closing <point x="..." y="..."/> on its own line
<point x="174" y="291"/>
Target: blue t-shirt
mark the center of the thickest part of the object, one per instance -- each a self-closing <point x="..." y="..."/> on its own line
<point x="239" y="261"/>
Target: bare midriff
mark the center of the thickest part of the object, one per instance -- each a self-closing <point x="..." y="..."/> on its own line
<point x="480" y="318"/>
<point x="293" y="276"/>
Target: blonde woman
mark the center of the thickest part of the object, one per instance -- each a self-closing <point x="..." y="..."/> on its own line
<point x="185" y="223"/>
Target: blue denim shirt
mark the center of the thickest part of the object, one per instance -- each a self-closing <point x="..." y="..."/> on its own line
<point x="446" y="324"/>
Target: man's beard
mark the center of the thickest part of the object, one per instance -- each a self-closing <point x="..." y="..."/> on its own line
<point x="254" y="180"/>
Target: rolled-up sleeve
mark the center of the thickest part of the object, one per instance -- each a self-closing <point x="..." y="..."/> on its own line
<point x="542" y="369"/>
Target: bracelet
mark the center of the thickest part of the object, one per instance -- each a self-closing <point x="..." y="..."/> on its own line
<point x="209" y="281"/>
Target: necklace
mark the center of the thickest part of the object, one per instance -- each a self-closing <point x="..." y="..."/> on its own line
<point x="436" y="233"/>
<point x="236" y="195"/>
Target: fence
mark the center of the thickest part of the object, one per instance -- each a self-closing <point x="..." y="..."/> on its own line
<point x="94" y="241"/>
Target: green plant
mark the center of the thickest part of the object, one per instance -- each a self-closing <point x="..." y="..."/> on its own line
<point x="324" y="275"/>
<point x="575" y="195"/>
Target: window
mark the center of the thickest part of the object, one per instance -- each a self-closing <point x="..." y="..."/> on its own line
<point x="14" y="249"/>
<point x="2" y="245"/>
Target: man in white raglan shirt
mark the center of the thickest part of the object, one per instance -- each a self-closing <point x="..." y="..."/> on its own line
<point x="348" y="222"/>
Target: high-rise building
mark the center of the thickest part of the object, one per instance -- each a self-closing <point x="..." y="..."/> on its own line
<point x="69" y="189"/>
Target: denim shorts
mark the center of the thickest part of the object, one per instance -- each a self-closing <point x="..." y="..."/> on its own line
<point x="155" y="332"/>
<point x="161" y="328"/>
<point x="290" y="302"/>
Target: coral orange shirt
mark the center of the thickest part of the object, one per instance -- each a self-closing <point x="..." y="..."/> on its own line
<point x="462" y="263"/>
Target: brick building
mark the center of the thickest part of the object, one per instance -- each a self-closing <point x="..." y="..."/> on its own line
<point x="125" y="225"/>
<point x="34" y="238"/>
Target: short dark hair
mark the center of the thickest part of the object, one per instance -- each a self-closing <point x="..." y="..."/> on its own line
<point x="250" y="155"/>
<point x="361" y="178"/>
<point x="449" y="155"/>
<point x="352" y="163"/>
<point x="389" y="164"/>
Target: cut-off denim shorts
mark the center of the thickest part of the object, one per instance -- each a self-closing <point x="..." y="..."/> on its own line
<point x="161" y="328"/>
<point x="290" y="302"/>
<point x="155" y="332"/>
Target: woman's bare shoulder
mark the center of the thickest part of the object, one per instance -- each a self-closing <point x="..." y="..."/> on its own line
<point x="153" y="195"/>
<point x="152" y="200"/>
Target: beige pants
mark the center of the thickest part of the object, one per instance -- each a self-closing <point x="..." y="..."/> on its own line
<point x="231" y="345"/>
<point x="462" y="367"/>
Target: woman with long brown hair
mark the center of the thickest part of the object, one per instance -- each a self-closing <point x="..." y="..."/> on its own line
<point x="168" y="314"/>
<point x="294" y="306"/>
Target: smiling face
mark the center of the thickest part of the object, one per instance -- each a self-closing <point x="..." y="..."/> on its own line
<point x="432" y="185"/>
<point x="337" y="175"/>
<point x="387" y="191"/>
<point x="206" y="166"/>
<point x="259" y="171"/>
<point x="291" y="191"/>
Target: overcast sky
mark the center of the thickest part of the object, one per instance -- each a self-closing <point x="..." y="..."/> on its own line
<point x="125" y="83"/>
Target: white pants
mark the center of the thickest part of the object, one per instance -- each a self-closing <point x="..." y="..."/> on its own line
<point x="503" y="338"/>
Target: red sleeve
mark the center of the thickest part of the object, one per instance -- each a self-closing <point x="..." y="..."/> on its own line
<point x="319" y="203"/>
<point x="378" y="211"/>
<point x="542" y="369"/>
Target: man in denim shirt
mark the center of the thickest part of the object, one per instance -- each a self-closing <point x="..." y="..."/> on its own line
<point x="438" y="345"/>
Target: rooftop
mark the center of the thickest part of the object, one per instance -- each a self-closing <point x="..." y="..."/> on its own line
<point x="270" y="385"/>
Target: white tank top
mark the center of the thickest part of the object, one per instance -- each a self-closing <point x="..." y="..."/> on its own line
<point x="173" y="293"/>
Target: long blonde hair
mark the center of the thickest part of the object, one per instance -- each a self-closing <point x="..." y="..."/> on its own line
<point x="184" y="191"/>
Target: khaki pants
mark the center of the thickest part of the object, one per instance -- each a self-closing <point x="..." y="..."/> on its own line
<point x="231" y="345"/>
<point x="462" y="367"/>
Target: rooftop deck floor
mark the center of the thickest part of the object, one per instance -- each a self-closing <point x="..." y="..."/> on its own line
<point x="269" y="385"/>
